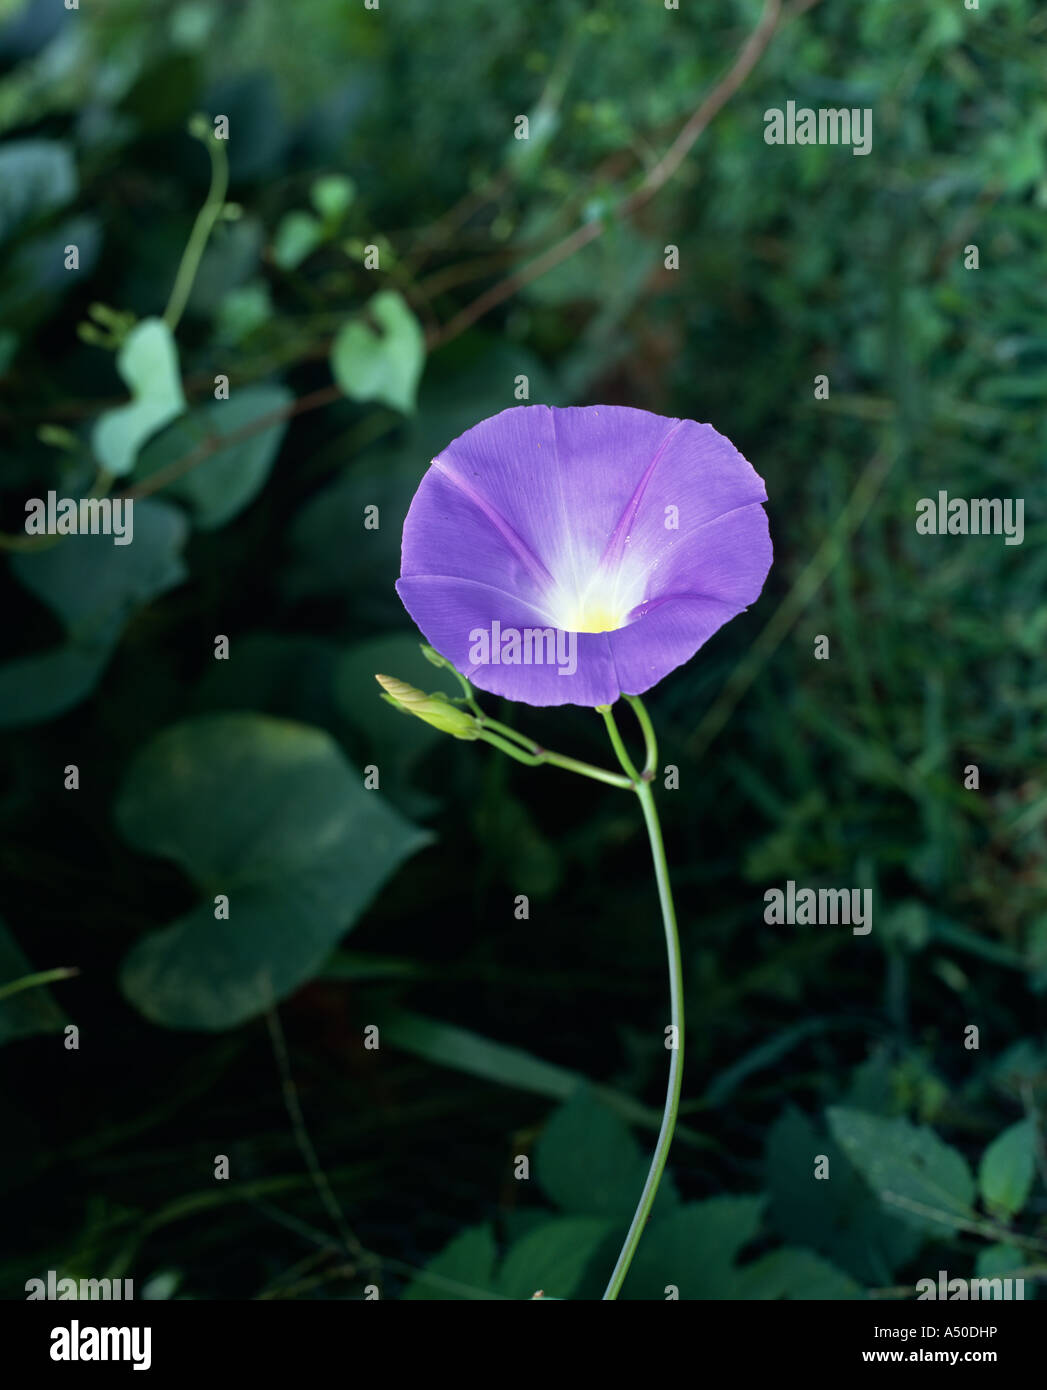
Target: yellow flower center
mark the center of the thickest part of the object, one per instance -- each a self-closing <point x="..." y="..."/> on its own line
<point x="601" y="602"/>
<point x="595" y="615"/>
<point x="592" y="611"/>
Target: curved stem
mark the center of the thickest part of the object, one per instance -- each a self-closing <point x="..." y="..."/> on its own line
<point x="205" y="220"/>
<point x="650" y="741"/>
<point x="617" y="744"/>
<point x="672" y="942"/>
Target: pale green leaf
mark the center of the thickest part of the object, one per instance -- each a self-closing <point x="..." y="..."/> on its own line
<point x="297" y="236"/>
<point x="382" y="362"/>
<point x="148" y="365"/>
<point x="1007" y="1169"/>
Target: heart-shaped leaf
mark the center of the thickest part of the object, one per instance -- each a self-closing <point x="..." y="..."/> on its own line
<point x="148" y="365"/>
<point x="384" y="362"/>
<point x="268" y="815"/>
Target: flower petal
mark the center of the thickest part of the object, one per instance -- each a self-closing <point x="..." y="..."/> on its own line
<point x="450" y="611"/>
<point x="670" y="629"/>
<point x="699" y="478"/>
<point x="452" y="530"/>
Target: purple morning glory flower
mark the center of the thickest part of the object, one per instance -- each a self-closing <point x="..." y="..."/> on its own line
<point x="570" y="556"/>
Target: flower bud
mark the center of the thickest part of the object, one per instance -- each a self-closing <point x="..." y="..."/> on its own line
<point x="435" y="709"/>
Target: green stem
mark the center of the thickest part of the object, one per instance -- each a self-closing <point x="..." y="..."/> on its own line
<point x="43" y="977"/>
<point x="650" y="742"/>
<point x="205" y="220"/>
<point x="672" y="940"/>
<point x="470" y="698"/>
<point x="528" y="744"/>
<point x="617" y="744"/>
<point x="541" y="756"/>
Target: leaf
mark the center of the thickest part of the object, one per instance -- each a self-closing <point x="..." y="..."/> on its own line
<point x="838" y="1216"/>
<point x="384" y="364"/>
<point x="362" y="965"/>
<point x="242" y="312"/>
<point x="1005" y="1174"/>
<point x="36" y="178"/>
<point x="587" y="1161"/>
<point x="29" y="1011"/>
<point x="148" y="365"/>
<point x="34" y="689"/>
<point x="270" y="814"/>
<point x="451" y="1046"/>
<point x="552" y="1257"/>
<point x="464" y="1269"/>
<point x="332" y="196"/>
<point x="764" y="1055"/>
<point x="794" y="1274"/>
<point x="910" y="1169"/>
<point x="694" y="1249"/>
<point x="222" y="484"/>
<point x="94" y="587"/>
<point x="1021" y="1067"/>
<point x="994" y="1261"/>
<point x="297" y="236"/>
